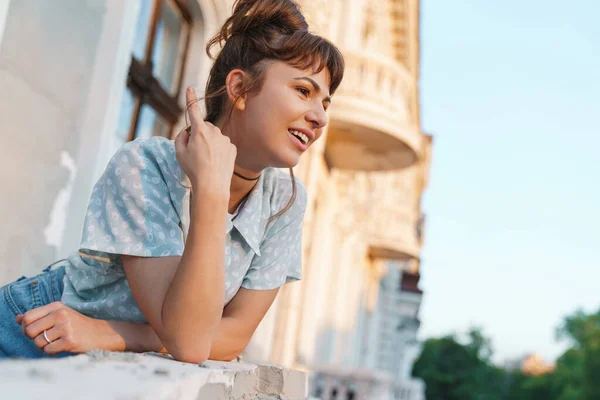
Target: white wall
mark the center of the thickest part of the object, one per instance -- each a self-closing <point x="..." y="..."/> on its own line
<point x="47" y="54"/>
<point x="3" y="14"/>
<point x="102" y="101"/>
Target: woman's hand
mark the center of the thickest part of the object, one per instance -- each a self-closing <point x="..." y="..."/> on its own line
<point x="66" y="329"/>
<point x="205" y="154"/>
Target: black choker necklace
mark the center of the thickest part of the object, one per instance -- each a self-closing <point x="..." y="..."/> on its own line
<point x="244" y="178"/>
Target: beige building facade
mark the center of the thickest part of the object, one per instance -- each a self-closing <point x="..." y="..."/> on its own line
<point x="80" y="78"/>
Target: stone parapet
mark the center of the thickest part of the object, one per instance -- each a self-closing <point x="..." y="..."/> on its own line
<point x="107" y="375"/>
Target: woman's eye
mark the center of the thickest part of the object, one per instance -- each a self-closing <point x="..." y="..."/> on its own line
<point x="304" y="91"/>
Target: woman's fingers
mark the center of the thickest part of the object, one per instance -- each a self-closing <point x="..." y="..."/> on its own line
<point x="37" y="327"/>
<point x="57" y="346"/>
<point x="181" y="141"/>
<point x="194" y="111"/>
<point x="53" y="333"/>
<point x="33" y="315"/>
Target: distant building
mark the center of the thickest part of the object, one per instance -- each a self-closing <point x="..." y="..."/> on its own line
<point x="533" y="364"/>
<point x="389" y="345"/>
<point x="530" y="364"/>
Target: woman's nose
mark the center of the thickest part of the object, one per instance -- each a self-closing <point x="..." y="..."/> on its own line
<point x="317" y="117"/>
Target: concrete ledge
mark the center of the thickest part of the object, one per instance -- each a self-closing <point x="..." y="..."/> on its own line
<point x="122" y="376"/>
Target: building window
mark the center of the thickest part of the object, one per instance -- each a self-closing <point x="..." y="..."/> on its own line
<point x="162" y="36"/>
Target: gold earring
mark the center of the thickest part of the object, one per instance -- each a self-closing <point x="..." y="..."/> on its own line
<point x="240" y="104"/>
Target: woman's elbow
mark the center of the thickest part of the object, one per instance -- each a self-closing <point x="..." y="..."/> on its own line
<point x="190" y="358"/>
<point x="224" y="357"/>
<point x="225" y="353"/>
<point x="189" y="354"/>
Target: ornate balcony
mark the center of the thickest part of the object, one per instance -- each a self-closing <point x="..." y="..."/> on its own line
<point x="393" y="234"/>
<point x="371" y="125"/>
<point x="396" y="222"/>
<point x="382" y="206"/>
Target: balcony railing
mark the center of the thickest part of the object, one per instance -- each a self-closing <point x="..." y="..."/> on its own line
<point x="343" y="383"/>
<point x="370" y="126"/>
<point x="393" y="234"/>
<point x="383" y="205"/>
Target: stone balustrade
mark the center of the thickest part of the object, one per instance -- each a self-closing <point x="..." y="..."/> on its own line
<point x="105" y="375"/>
<point x="382" y="84"/>
<point x="338" y="383"/>
<point x="371" y="126"/>
<point x="393" y="234"/>
<point x="383" y="207"/>
<point x="409" y="389"/>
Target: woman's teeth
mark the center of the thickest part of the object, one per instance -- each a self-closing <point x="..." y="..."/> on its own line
<point x="303" y="138"/>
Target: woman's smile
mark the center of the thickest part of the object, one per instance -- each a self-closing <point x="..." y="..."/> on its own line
<point x="298" y="140"/>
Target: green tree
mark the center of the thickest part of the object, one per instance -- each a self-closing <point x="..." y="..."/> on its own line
<point x="578" y="369"/>
<point x="455" y="371"/>
<point x="481" y="345"/>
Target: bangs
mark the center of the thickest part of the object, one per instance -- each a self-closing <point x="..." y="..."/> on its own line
<point x="303" y="50"/>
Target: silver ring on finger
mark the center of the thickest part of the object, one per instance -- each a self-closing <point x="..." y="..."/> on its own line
<point x="46" y="337"/>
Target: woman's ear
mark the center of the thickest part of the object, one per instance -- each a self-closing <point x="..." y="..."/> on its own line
<point x="235" y="88"/>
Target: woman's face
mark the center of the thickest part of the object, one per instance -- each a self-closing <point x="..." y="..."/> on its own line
<point x="282" y="120"/>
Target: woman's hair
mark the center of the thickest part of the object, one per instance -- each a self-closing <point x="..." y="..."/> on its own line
<point x="257" y="32"/>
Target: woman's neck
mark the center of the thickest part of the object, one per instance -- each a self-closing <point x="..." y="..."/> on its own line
<point x="240" y="188"/>
<point x="244" y="178"/>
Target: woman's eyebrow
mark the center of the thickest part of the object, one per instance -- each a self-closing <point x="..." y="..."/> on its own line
<point x="314" y="84"/>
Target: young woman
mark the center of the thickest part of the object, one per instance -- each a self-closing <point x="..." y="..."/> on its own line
<point x="186" y="242"/>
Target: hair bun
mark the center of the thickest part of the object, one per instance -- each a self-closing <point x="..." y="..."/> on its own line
<point x="281" y="15"/>
<point x="260" y="17"/>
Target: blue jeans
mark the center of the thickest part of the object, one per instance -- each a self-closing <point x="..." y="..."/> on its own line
<point x="19" y="297"/>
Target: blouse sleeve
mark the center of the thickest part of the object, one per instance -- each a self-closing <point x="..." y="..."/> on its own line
<point x="280" y="261"/>
<point x="130" y="211"/>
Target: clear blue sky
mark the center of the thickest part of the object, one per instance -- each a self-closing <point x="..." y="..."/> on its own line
<point x="511" y="92"/>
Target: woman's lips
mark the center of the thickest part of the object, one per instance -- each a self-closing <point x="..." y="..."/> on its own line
<point x="301" y="146"/>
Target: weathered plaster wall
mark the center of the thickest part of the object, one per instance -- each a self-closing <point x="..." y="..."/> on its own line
<point x="46" y="58"/>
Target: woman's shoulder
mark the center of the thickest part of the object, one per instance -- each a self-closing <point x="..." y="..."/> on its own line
<point x="151" y="153"/>
<point x="277" y="184"/>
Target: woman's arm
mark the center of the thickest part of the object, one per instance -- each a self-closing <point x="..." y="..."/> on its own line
<point x="240" y="319"/>
<point x="182" y="297"/>
<point x="81" y="333"/>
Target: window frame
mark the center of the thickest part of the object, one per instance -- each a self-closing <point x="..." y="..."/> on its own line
<point x="145" y="87"/>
